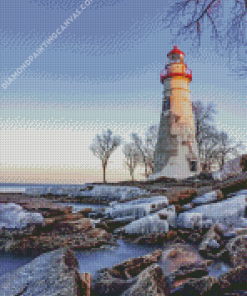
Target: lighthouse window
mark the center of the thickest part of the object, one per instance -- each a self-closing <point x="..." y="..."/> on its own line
<point x="166" y="104"/>
<point x="193" y="166"/>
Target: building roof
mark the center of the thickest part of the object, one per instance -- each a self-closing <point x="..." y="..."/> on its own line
<point x="175" y="50"/>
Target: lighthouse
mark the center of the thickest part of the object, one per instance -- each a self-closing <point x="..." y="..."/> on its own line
<point x="176" y="153"/>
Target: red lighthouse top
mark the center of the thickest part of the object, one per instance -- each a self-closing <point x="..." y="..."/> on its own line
<point x="176" y="65"/>
<point x="176" y="50"/>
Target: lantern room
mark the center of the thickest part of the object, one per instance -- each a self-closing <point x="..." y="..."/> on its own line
<point x="175" y="66"/>
<point x="175" y="56"/>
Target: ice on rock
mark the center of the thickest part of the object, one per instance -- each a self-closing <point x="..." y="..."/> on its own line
<point x="13" y="216"/>
<point x="89" y="190"/>
<point x="114" y="192"/>
<point x="137" y="208"/>
<point x="205" y="198"/>
<point x="153" y="223"/>
<point x="149" y="224"/>
<point x="189" y="220"/>
<point x="227" y="212"/>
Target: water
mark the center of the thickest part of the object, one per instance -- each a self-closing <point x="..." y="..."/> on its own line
<point x="17" y="187"/>
<point x="91" y="261"/>
<point x="76" y="207"/>
<point x="20" y="188"/>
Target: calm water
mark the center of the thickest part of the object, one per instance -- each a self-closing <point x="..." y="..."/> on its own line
<point x="14" y="187"/>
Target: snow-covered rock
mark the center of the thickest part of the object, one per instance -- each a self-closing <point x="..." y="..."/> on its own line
<point x="13" y="216"/>
<point x="149" y="224"/>
<point x="227" y="212"/>
<point x="189" y="220"/>
<point x="137" y="208"/>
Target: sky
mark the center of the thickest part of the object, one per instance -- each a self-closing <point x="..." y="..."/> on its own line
<point x="101" y="70"/>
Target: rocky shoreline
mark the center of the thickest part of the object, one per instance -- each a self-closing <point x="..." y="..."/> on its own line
<point x="61" y="231"/>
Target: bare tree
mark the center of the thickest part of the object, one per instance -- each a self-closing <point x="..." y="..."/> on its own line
<point x="132" y="158"/>
<point x="192" y="18"/>
<point x="142" y="151"/>
<point x="103" y="146"/>
<point x="214" y="146"/>
<point x="146" y="148"/>
<point x="150" y="143"/>
<point x="226" y="149"/>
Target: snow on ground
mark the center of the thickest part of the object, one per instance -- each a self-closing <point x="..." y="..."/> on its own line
<point x="14" y="216"/>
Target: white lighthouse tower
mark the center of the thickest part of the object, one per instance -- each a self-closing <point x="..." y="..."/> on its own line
<point x="176" y="153"/>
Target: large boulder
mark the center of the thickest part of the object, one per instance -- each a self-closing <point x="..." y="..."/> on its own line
<point x="236" y="250"/>
<point x="185" y="271"/>
<point x="150" y="282"/>
<point x="105" y="282"/>
<point x="54" y="274"/>
<point x="69" y="226"/>
<point x="212" y="245"/>
<point x="49" y="241"/>
<point x="179" y="255"/>
<point x="133" y="266"/>
<point x="204" y="286"/>
<point x="234" y="279"/>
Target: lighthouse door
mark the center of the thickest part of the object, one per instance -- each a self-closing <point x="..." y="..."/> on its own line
<point x="193" y="166"/>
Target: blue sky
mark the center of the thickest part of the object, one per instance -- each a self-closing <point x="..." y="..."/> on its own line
<point x="101" y="72"/>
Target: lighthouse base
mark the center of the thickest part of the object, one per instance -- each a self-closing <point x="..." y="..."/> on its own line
<point x="177" y="167"/>
<point x="175" y="172"/>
